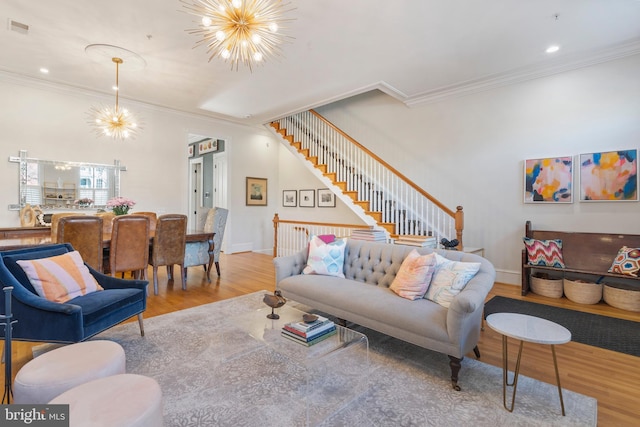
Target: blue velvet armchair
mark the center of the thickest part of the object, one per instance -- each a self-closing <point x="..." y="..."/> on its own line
<point x="80" y="318"/>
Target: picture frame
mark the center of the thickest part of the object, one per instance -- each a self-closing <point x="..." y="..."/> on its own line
<point x="256" y="191"/>
<point x="289" y="198"/>
<point x="307" y="198"/>
<point x="609" y="176"/>
<point x="190" y="150"/>
<point x="549" y="180"/>
<point x="326" y="198"/>
<point x="207" y="146"/>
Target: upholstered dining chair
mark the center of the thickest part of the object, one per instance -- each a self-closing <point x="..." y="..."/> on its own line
<point x="153" y="219"/>
<point x="129" y="249"/>
<point x="55" y="219"/>
<point x="107" y="221"/>
<point x="197" y="253"/>
<point x="169" y="246"/>
<point x="84" y="233"/>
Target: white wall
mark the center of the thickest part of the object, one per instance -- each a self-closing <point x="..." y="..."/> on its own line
<point x="470" y="150"/>
<point x="50" y="122"/>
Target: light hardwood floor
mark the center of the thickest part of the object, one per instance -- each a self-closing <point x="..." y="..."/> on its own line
<point x="612" y="378"/>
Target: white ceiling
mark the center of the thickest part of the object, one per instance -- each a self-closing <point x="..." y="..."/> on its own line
<point x="415" y="50"/>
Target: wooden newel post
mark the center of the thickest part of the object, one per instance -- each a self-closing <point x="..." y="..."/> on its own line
<point x="459" y="217"/>
<point x="276" y="219"/>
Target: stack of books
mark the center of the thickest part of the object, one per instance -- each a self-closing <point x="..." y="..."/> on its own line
<point x="370" y="234"/>
<point x="309" y="333"/>
<point x="417" y="240"/>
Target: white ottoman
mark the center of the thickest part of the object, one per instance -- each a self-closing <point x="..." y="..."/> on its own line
<point x="126" y="400"/>
<point x="61" y="369"/>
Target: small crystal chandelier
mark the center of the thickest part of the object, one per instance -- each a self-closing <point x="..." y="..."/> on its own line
<point x="239" y="31"/>
<point x="118" y="123"/>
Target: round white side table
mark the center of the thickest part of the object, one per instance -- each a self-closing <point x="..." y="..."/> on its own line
<point x="530" y="329"/>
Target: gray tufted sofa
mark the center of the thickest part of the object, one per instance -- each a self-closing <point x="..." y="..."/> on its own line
<point x="364" y="297"/>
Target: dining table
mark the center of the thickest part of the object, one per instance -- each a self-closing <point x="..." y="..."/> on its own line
<point x="25" y="237"/>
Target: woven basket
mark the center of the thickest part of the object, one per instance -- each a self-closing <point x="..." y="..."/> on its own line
<point x="546" y="286"/>
<point x="624" y="298"/>
<point x="583" y="292"/>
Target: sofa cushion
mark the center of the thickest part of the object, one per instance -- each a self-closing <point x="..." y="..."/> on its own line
<point x="627" y="262"/>
<point x="325" y="258"/>
<point x="60" y="278"/>
<point x="378" y="303"/>
<point x="99" y="305"/>
<point x="449" y="278"/>
<point x="547" y="253"/>
<point x="414" y="276"/>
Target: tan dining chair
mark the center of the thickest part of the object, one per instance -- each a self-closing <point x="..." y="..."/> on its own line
<point x="168" y="248"/>
<point x="107" y="222"/>
<point x="84" y="233"/>
<point x="55" y="218"/>
<point x="129" y="249"/>
<point x="153" y="219"/>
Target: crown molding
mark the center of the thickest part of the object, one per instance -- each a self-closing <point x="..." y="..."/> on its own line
<point x="525" y="74"/>
<point x="83" y="92"/>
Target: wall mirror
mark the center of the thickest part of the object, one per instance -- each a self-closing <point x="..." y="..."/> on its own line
<point x="60" y="185"/>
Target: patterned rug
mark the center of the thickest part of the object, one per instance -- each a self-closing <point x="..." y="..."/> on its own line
<point x="212" y="375"/>
<point x="605" y="332"/>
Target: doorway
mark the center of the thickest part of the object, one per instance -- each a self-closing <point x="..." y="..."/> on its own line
<point x="195" y="190"/>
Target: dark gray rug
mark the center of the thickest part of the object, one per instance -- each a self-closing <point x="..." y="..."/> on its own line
<point x="605" y="332"/>
<point x="211" y="374"/>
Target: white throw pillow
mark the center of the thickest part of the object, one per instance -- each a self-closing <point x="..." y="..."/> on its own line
<point x="449" y="278"/>
<point x="325" y="258"/>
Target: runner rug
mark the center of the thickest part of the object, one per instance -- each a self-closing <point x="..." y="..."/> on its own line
<point x="605" y="332"/>
<point x="193" y="354"/>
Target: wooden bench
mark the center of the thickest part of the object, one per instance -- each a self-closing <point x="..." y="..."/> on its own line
<point x="583" y="253"/>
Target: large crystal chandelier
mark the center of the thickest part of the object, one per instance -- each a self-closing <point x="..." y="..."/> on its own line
<point x="116" y="122"/>
<point x="239" y="31"/>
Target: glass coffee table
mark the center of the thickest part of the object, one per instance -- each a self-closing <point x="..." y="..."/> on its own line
<point x="326" y="376"/>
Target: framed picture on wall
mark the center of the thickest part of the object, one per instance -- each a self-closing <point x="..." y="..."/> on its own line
<point x="190" y="150"/>
<point x="256" y="191"/>
<point x="207" y="146"/>
<point x="307" y="198"/>
<point x="609" y="176"/>
<point x="326" y="198"/>
<point x="289" y="198"/>
<point x="548" y="180"/>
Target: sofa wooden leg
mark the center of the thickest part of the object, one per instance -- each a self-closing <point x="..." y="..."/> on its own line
<point x="140" y="322"/>
<point x="476" y="351"/>
<point x="456" y="364"/>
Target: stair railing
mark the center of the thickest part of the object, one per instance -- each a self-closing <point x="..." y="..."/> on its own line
<point x="293" y="236"/>
<point x="406" y="207"/>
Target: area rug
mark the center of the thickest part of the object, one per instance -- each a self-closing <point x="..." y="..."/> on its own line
<point x="193" y="355"/>
<point x="605" y="332"/>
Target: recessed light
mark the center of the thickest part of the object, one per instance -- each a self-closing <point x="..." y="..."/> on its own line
<point x="552" y="49"/>
<point x="44" y="70"/>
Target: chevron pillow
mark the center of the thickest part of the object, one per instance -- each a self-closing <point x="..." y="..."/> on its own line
<point x="544" y="252"/>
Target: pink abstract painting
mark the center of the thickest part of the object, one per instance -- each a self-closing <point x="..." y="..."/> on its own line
<point x="609" y="176"/>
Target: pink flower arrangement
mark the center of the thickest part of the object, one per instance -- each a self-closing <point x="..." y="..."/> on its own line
<point x="120" y="205"/>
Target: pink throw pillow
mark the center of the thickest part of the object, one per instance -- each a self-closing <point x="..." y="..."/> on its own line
<point x="414" y="276"/>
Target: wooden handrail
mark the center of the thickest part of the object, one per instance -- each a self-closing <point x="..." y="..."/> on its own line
<point x="387" y="165"/>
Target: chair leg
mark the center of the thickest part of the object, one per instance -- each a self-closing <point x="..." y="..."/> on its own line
<point x="140" y="322"/>
<point x="170" y="272"/>
<point x="155" y="280"/>
<point x="218" y="268"/>
<point x="183" y="275"/>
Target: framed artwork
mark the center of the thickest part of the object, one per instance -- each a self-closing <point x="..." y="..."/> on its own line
<point x="307" y="198"/>
<point x="289" y="198"/>
<point x="190" y="150"/>
<point x="326" y="198"/>
<point x="609" y="176"/>
<point x="207" y="146"/>
<point x="256" y="191"/>
<point x="548" y="180"/>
